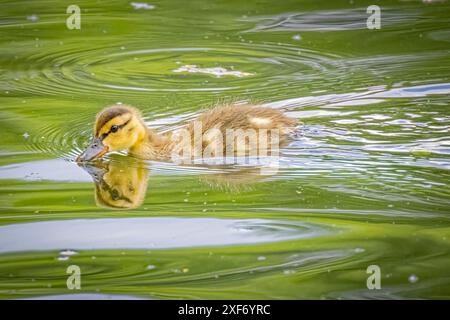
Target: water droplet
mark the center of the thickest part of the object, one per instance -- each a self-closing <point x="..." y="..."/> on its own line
<point x="63" y="258"/>
<point x="184" y="270"/>
<point x="297" y="37"/>
<point x="33" y="18"/>
<point x="261" y="258"/>
<point x="26" y="135"/>
<point x="413" y="278"/>
<point x="151" y="267"/>
<point x="359" y="250"/>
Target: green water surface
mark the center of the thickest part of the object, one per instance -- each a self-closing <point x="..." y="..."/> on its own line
<point x="365" y="183"/>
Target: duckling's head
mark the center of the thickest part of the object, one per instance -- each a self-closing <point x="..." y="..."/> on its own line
<point x="118" y="127"/>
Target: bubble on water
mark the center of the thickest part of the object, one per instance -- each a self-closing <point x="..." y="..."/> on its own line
<point x="33" y="18"/>
<point x="413" y="278"/>
<point x="297" y="37"/>
<point x="184" y="270"/>
<point x="142" y="5"/>
<point x="288" y="272"/>
<point x="68" y="253"/>
<point x="359" y="250"/>
<point x="218" y="71"/>
<point x="26" y="135"/>
<point x="63" y="258"/>
<point x="261" y="258"/>
<point x="151" y="267"/>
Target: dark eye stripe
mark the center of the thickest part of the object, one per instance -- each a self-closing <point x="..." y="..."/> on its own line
<point x="103" y="136"/>
<point x="107" y="115"/>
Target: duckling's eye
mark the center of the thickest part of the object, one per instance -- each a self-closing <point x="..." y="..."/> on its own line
<point x="115" y="194"/>
<point x="114" y="128"/>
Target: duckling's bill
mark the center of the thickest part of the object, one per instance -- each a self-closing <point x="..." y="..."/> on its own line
<point x="96" y="150"/>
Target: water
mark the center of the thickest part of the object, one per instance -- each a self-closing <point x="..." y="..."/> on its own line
<point x="365" y="183"/>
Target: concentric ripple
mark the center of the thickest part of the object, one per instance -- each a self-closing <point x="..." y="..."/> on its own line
<point x="61" y="142"/>
<point x="71" y="71"/>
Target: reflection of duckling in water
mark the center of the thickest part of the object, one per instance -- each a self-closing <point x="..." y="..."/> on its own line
<point x="119" y="184"/>
<point x="121" y="127"/>
<point x="123" y="185"/>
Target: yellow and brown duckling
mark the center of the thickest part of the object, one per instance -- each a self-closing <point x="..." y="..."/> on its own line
<point x="121" y="127"/>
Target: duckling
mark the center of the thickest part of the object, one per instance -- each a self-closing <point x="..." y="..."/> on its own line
<point x="121" y="127"/>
